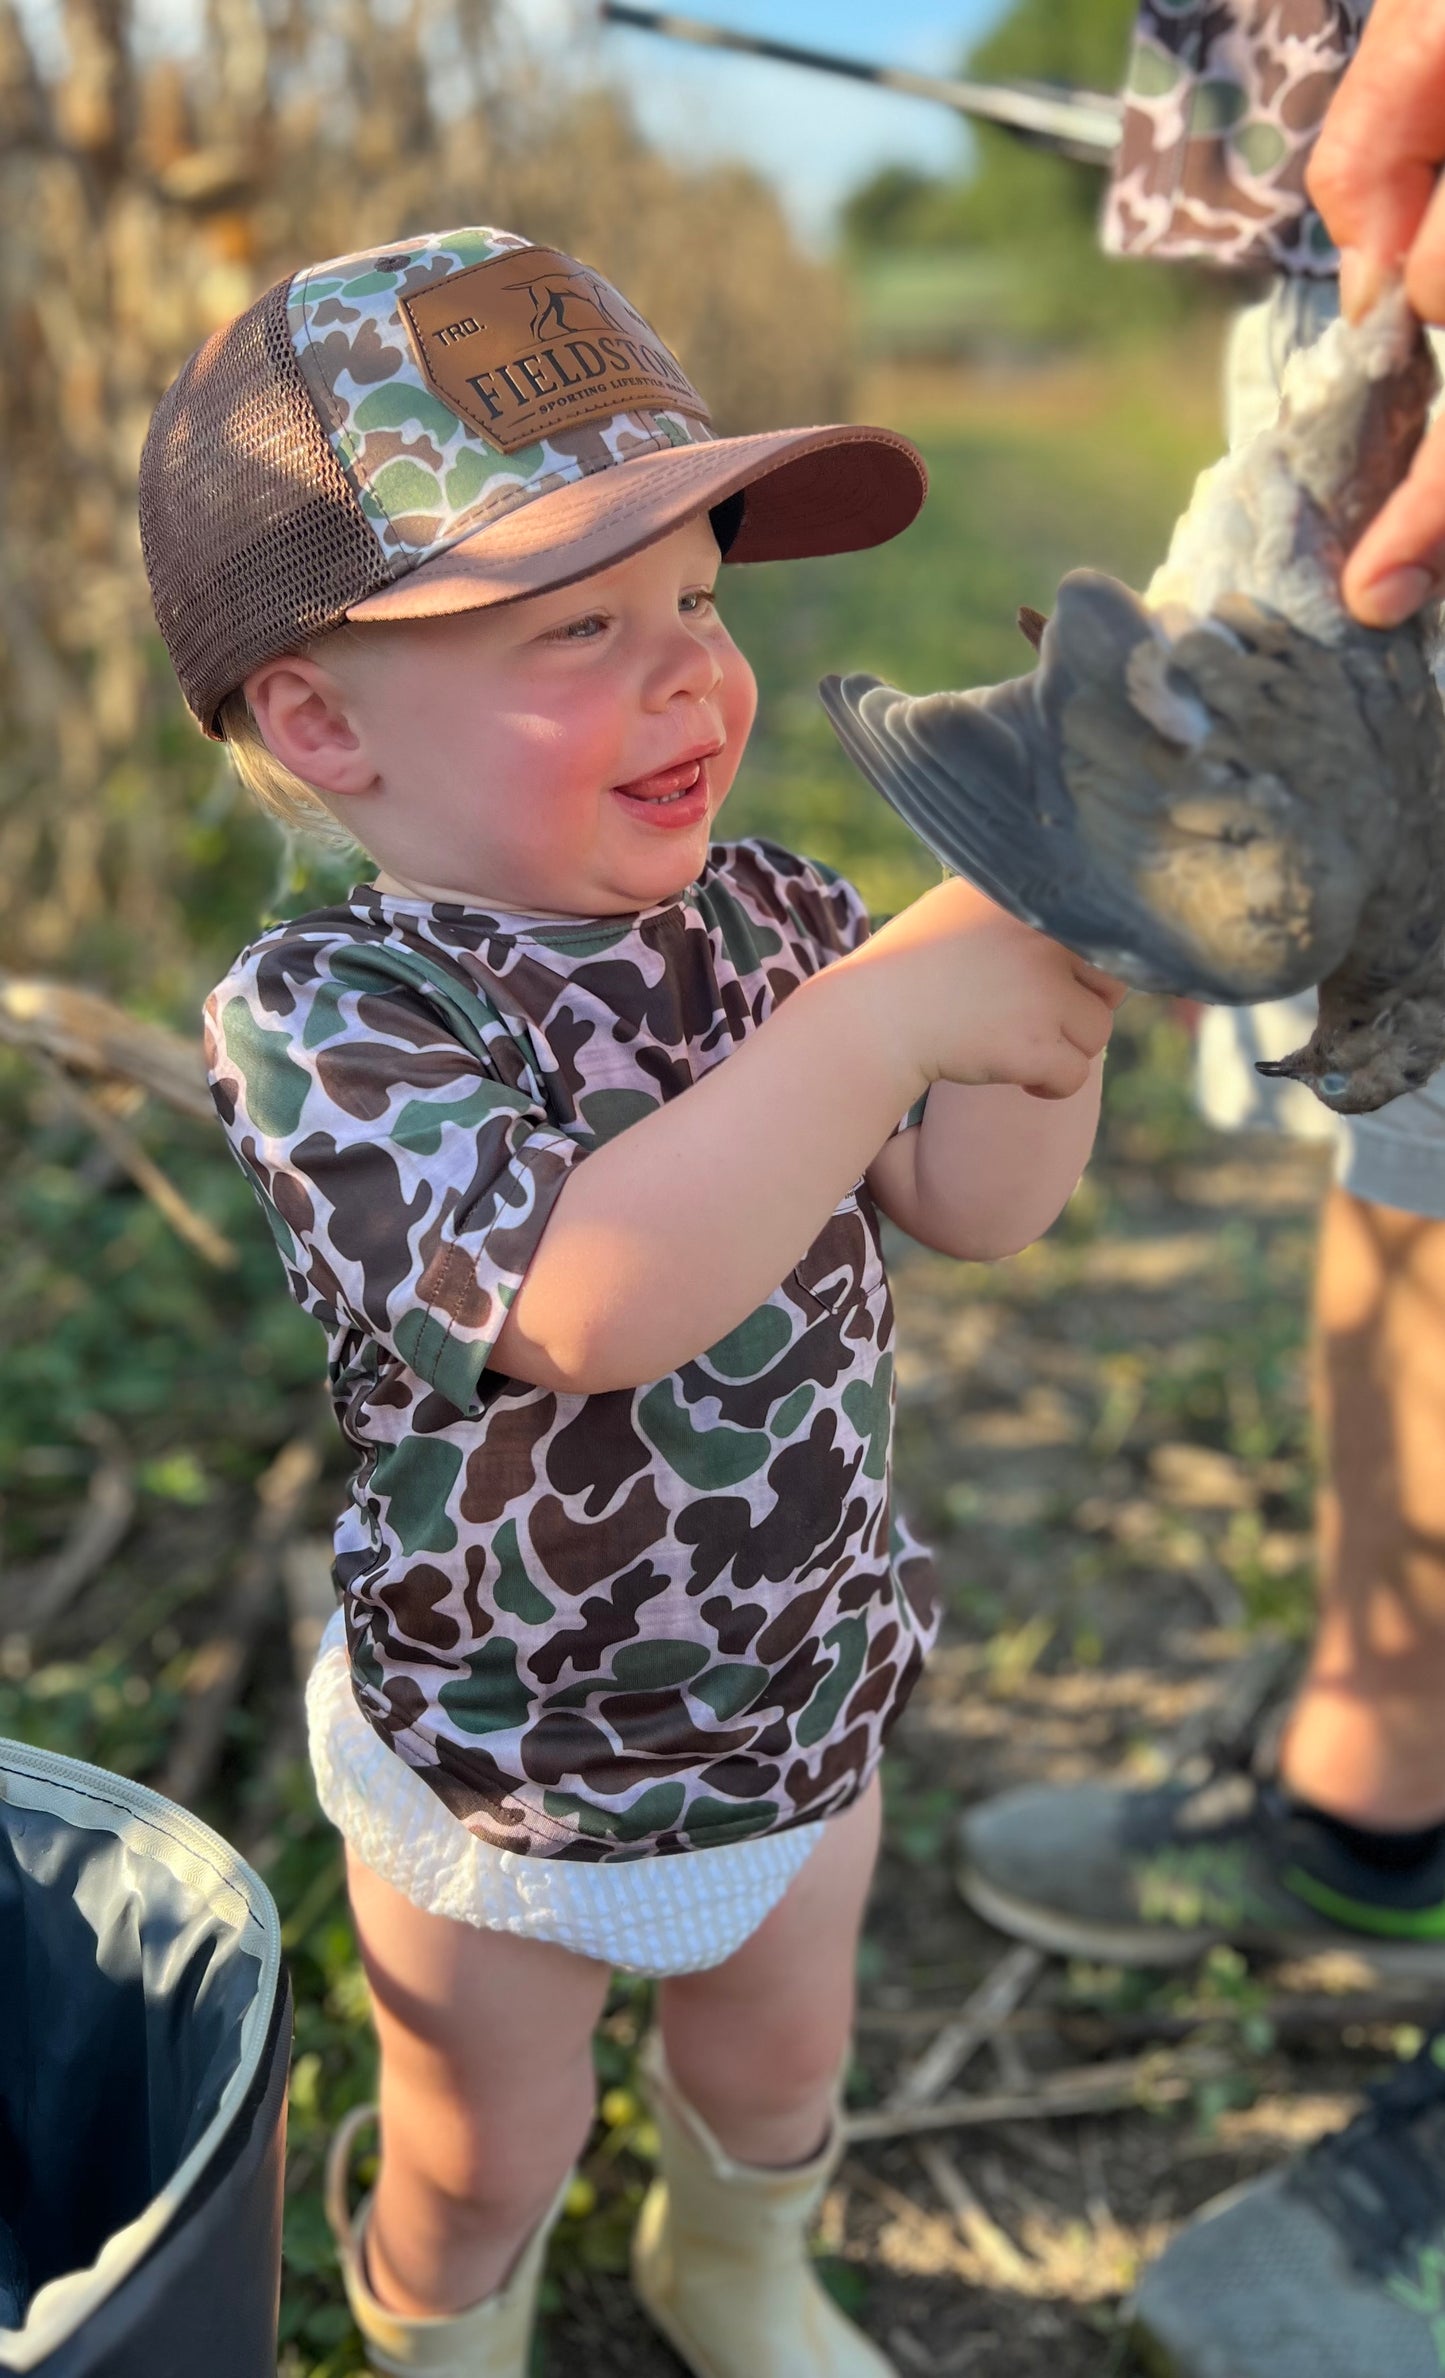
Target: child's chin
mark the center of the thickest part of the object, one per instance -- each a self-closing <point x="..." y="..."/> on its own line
<point x="673" y="866"/>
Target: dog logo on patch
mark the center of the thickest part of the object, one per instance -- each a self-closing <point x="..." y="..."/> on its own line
<point x="532" y="342"/>
<point x="565" y="305"/>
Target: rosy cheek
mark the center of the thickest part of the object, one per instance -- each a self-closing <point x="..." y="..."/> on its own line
<point x="738" y="702"/>
<point x="558" y="751"/>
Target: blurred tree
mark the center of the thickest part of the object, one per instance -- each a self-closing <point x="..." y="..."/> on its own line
<point x="148" y="197"/>
<point x="1025" y="208"/>
<point x="886" y="210"/>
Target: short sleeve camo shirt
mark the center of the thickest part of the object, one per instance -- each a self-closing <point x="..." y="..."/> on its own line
<point x="1221" y="107"/>
<point x="598" y="1626"/>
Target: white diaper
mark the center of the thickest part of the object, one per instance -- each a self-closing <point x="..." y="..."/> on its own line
<point x="654" y="1916"/>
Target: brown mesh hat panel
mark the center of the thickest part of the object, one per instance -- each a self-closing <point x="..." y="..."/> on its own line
<point x="253" y="537"/>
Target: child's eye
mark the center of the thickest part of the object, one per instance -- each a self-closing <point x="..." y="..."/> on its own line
<point x="702" y="598"/>
<point x="578" y="631"/>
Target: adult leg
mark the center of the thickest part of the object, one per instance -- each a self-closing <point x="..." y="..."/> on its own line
<point x="1366" y="1737"/>
<point x="487" y="2094"/>
<point x="1364" y="1740"/>
<point x="1328" y="2262"/>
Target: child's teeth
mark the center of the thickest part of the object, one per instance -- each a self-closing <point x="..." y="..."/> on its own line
<point x="659" y="800"/>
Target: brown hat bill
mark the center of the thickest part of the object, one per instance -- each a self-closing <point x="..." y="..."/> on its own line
<point x="805" y="492"/>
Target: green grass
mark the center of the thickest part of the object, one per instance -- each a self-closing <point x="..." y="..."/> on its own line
<point x="932" y="301"/>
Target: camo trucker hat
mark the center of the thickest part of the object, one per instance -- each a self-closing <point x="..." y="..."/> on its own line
<point x="456" y="420"/>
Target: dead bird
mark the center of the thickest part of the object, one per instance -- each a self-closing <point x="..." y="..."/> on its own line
<point x="1229" y="789"/>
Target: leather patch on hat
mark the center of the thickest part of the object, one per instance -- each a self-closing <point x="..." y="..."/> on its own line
<point x="532" y="342"/>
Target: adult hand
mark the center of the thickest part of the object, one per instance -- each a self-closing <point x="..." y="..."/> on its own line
<point x="1374" y="176"/>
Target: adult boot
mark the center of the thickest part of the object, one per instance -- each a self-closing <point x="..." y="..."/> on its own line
<point x="492" y="2339"/>
<point x="719" y="2258"/>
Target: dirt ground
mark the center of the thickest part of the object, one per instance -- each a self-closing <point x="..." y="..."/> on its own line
<point x="1107" y="1442"/>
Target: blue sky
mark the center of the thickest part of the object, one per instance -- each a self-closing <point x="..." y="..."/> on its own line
<point x="813" y="136"/>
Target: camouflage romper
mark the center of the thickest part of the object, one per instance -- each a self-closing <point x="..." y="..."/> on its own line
<point x="1221" y="107"/>
<point x="601" y="1626"/>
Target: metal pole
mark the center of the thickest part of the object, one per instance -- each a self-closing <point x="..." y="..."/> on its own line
<point x="1080" y="124"/>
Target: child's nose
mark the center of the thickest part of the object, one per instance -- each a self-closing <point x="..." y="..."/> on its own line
<point x="686" y="664"/>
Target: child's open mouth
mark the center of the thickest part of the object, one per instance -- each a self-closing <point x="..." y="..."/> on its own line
<point x="676" y="796"/>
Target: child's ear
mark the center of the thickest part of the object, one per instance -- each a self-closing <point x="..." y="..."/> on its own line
<point x="304" y="719"/>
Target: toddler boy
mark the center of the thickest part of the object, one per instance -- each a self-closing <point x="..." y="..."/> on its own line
<point x="572" y="1127"/>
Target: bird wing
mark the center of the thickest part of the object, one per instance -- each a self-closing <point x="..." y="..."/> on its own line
<point x="977" y="776"/>
<point x="1112" y="799"/>
<point x="958" y="769"/>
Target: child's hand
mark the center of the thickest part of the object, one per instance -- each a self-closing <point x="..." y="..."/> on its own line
<point x="976" y="997"/>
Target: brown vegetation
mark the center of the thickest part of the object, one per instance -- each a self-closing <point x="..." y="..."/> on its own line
<point x="148" y="198"/>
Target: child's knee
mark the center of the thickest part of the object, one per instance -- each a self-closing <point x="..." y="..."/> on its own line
<point x="496" y="2157"/>
<point x="800" y="2062"/>
<point x="781" y="2062"/>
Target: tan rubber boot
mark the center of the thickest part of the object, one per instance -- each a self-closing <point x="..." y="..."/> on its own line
<point x="719" y="2259"/>
<point x="492" y="2339"/>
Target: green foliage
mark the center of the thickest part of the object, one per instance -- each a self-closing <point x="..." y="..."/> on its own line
<point x="920" y="1818"/>
<point x="105" y="1311"/>
<point x="100" y="1708"/>
<point x="1152" y="1113"/>
<point x="1082" y="42"/>
<point x="890" y="209"/>
<point x="1013" y="190"/>
<point x="1023" y="219"/>
<point x="333" y="2068"/>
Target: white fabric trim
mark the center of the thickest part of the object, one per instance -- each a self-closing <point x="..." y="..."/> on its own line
<point x="652" y="1916"/>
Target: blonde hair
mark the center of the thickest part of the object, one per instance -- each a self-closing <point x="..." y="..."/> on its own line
<point x="286" y="797"/>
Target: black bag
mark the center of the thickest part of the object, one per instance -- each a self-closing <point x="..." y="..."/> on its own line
<point x="145" y="2028"/>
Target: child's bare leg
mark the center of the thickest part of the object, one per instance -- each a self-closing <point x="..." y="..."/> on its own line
<point x="486" y="2094"/>
<point x="756" y="2044"/>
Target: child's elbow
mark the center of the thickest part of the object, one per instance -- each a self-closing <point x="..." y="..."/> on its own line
<point x="564" y="1363"/>
<point x="993" y="1238"/>
<point x="995" y="1249"/>
<point x="578" y="1360"/>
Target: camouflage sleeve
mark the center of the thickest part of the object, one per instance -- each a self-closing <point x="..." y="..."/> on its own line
<point x="1222" y="103"/>
<point x="406" y="1181"/>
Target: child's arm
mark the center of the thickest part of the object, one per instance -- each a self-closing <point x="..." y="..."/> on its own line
<point x="988" y="1169"/>
<point x="666" y="1237"/>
